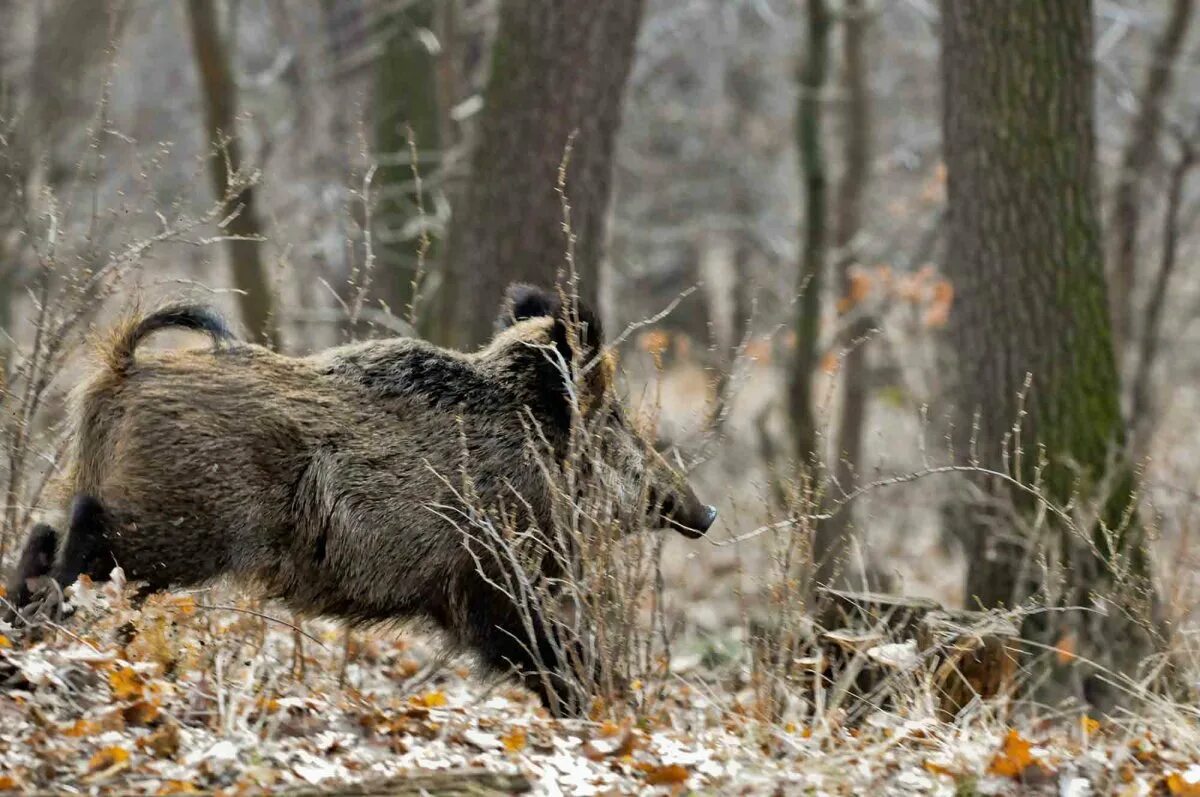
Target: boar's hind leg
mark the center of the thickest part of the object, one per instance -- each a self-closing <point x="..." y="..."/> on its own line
<point x="86" y="550"/>
<point x="503" y="640"/>
<point x="33" y="568"/>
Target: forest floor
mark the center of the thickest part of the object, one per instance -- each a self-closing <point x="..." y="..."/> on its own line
<point x="186" y="696"/>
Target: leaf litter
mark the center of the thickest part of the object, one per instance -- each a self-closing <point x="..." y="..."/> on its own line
<point x="174" y="698"/>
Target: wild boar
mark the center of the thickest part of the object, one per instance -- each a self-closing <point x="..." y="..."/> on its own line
<point x="314" y="477"/>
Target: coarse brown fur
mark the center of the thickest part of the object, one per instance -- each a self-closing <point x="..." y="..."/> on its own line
<point x="316" y="478"/>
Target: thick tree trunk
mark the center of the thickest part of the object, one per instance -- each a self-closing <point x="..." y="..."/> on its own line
<point x="810" y="278"/>
<point x="406" y="98"/>
<point x="220" y="116"/>
<point x="558" y="73"/>
<point x="831" y="540"/>
<point x="1024" y="254"/>
<point x="1139" y="154"/>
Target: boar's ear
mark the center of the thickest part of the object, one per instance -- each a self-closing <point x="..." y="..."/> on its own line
<point x="523" y="301"/>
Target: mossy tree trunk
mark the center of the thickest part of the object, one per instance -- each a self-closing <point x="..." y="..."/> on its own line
<point x="219" y="93"/>
<point x="406" y="99"/>
<point x="1024" y="255"/>
<point x="558" y="73"/>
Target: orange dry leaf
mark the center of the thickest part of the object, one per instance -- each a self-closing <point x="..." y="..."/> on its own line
<point x="1065" y="649"/>
<point x="1177" y="784"/>
<point x="598" y="752"/>
<point x="943" y="292"/>
<point x="108" y="758"/>
<point x="126" y="683"/>
<point x="433" y="699"/>
<point x="514" y="740"/>
<point x="185" y="605"/>
<point x="1088" y="725"/>
<point x="178" y="787"/>
<point x="1014" y="757"/>
<point x="860" y="285"/>
<point x="609" y="728"/>
<point x="407" y="668"/>
<point x="666" y="775"/>
<point x="655" y="341"/>
<point x="142" y="712"/>
<point x="936" y="316"/>
<point x="82" y="728"/>
<point x="7" y="783"/>
<point x="937" y="769"/>
<point x="164" y="742"/>
<point x="759" y="350"/>
<point x="5" y="642"/>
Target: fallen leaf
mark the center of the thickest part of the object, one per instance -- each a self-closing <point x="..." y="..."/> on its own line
<point x="1186" y="783"/>
<point x="655" y="342"/>
<point x="1014" y="757"/>
<point x="5" y="642"/>
<point x="126" y="683"/>
<point x="108" y="760"/>
<point x="514" y="740"/>
<point x="81" y="728"/>
<point x="935" y="768"/>
<point x="598" y="749"/>
<point x="666" y="775"/>
<point x="178" y="787"/>
<point x="164" y="742"/>
<point x="142" y="712"/>
<point x="1066" y="648"/>
<point x="433" y="699"/>
<point x="408" y="667"/>
<point x="7" y="783"/>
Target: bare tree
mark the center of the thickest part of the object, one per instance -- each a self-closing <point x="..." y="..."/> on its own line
<point x="1142" y="415"/>
<point x="856" y="155"/>
<point x="813" y="69"/>
<point x="220" y="116"/>
<point x="1140" y="153"/>
<point x="1024" y="254"/>
<point x="558" y="72"/>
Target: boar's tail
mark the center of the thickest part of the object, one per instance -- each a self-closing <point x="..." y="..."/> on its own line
<point x="118" y="353"/>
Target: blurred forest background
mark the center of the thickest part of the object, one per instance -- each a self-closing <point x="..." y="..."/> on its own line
<point x="868" y="219"/>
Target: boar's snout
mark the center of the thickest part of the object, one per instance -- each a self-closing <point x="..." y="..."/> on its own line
<point x="684" y="513"/>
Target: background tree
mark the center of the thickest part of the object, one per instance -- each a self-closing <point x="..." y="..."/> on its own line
<point x="406" y="99"/>
<point x="558" y="70"/>
<point x="810" y="277"/>
<point x="831" y="541"/>
<point x="1024" y="254"/>
<point x="1138" y="156"/>
<point x="219" y="92"/>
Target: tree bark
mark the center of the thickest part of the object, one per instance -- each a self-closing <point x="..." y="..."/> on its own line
<point x="220" y="116"/>
<point x="831" y="538"/>
<point x="558" y="72"/>
<point x="1024" y="255"/>
<point x="1138" y="156"/>
<point x="406" y="98"/>
<point x="810" y="279"/>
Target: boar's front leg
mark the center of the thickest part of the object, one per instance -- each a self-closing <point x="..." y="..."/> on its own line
<point x="43" y="571"/>
<point x="508" y="642"/>
<point x="31" y="576"/>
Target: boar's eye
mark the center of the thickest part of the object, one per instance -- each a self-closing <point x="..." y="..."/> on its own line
<point x="663" y="504"/>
